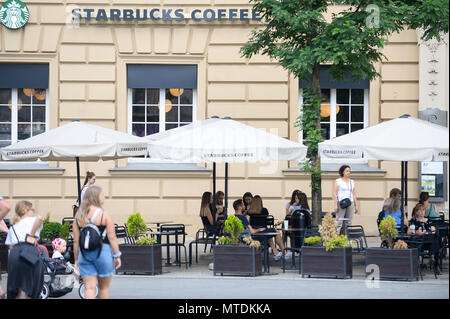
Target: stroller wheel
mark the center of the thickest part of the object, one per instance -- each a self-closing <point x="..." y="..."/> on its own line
<point x="45" y="292"/>
<point x="81" y="291"/>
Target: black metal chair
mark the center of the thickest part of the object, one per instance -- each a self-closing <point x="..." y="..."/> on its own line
<point x="270" y="221"/>
<point x="356" y="233"/>
<point x="424" y="245"/>
<point x="204" y="236"/>
<point x="258" y="221"/>
<point x="442" y="229"/>
<point x="69" y="220"/>
<point x="176" y="239"/>
<point x="122" y="233"/>
<point x="300" y="222"/>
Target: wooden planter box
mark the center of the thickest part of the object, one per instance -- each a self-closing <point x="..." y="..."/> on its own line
<point x="394" y="263"/>
<point x="316" y="261"/>
<point x="235" y="259"/>
<point x="141" y="259"/>
<point x="4" y="257"/>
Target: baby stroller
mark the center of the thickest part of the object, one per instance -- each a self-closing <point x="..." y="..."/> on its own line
<point x="59" y="280"/>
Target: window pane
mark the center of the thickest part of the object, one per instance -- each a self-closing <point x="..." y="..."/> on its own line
<point x="23" y="131"/>
<point x="343" y="115"/>
<point x="38" y="129"/>
<point x="4" y="143"/>
<point x="5" y="96"/>
<point x="138" y="96"/>
<point x="172" y="114"/>
<point x="171" y="126"/>
<point x="186" y="113"/>
<point x="357" y="113"/>
<point x="38" y="96"/>
<point x="38" y="113"/>
<point x="5" y="131"/>
<point x="171" y="97"/>
<point x="341" y="129"/>
<point x="342" y="96"/>
<point x="356" y="127"/>
<point x="138" y="130"/>
<point x="24" y="96"/>
<point x="138" y="113"/>
<point x="24" y="114"/>
<point x="186" y="97"/>
<point x="325" y="112"/>
<point x="357" y="96"/>
<point x="325" y="130"/>
<point x="152" y="96"/>
<point x="326" y="95"/>
<point x="152" y="114"/>
<point x="5" y="114"/>
<point x="152" y="129"/>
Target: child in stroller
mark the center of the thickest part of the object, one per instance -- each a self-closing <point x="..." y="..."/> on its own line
<point x="61" y="277"/>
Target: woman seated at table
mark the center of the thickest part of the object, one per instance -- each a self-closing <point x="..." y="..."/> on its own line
<point x="294" y="204"/>
<point x="257" y="207"/>
<point x="239" y="207"/>
<point x="430" y="210"/>
<point x="207" y="214"/>
<point x="393" y="210"/>
<point x="423" y="226"/>
<point x="219" y="203"/>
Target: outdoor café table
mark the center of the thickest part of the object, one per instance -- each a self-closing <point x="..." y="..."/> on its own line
<point x="159" y="223"/>
<point x="266" y="251"/>
<point x="158" y="240"/>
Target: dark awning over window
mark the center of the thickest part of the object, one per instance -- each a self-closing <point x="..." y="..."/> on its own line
<point x="14" y="75"/>
<point x="162" y="76"/>
<point x="327" y="83"/>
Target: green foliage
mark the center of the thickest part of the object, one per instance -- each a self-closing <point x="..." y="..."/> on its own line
<point x="234" y="227"/>
<point x="339" y="241"/>
<point x="136" y="225"/>
<point x="388" y="230"/>
<point x="313" y="241"/>
<point x="51" y="230"/>
<point x="65" y="231"/>
<point x="225" y="240"/>
<point x="146" y="240"/>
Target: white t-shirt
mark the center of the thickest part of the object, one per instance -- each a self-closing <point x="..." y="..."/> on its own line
<point x="82" y="193"/>
<point x="345" y="190"/>
<point x="22" y="228"/>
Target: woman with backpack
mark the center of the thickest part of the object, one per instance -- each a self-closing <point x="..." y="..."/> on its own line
<point x="96" y="255"/>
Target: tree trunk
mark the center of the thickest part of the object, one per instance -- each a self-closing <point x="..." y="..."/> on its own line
<point x="316" y="179"/>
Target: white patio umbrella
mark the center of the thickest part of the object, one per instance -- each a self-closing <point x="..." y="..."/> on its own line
<point x="402" y="139"/>
<point x="76" y="140"/>
<point x="226" y="141"/>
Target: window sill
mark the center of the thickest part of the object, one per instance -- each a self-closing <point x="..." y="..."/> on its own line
<point x="26" y="168"/>
<point x="161" y="169"/>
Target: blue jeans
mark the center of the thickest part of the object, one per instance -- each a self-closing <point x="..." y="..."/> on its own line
<point x="103" y="266"/>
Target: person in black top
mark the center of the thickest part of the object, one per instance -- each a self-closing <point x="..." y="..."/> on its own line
<point x="247" y="199"/>
<point x="257" y="207"/>
<point x="423" y="226"/>
<point x="209" y="216"/>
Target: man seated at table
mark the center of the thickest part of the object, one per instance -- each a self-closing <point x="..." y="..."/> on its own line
<point x="239" y="207"/>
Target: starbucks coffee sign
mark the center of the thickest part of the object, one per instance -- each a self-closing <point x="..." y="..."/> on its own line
<point x="14" y="14"/>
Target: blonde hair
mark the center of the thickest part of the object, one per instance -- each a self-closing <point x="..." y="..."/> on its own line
<point x="91" y="198"/>
<point x="22" y="208"/>
<point x="256" y="206"/>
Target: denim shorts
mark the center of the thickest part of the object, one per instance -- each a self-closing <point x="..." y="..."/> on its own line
<point x="103" y="266"/>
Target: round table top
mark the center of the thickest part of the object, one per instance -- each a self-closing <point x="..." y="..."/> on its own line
<point x="162" y="222"/>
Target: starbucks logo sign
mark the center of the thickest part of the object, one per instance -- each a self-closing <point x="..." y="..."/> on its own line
<point x="14" y="14"/>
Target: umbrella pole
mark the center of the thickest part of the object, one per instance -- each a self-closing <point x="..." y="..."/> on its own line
<point x="406" y="190"/>
<point x="226" y="191"/>
<point x="78" y="179"/>
<point x="403" y="193"/>
<point x="214" y="187"/>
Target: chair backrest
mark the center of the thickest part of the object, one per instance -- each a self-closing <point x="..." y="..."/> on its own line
<point x="300" y="219"/>
<point x="356" y="232"/>
<point x="69" y="220"/>
<point x="178" y="230"/>
<point x="270" y="220"/>
<point x="211" y="230"/>
<point x="258" y="221"/>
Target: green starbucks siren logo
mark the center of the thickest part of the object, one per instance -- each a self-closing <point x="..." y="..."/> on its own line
<point x="14" y="14"/>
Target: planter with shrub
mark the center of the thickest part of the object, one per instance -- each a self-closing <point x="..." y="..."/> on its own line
<point x="333" y="260"/>
<point x="237" y="253"/>
<point x="395" y="262"/>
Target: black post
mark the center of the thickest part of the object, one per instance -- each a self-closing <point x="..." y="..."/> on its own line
<point x="403" y="193"/>
<point x="77" y="159"/>
<point x="214" y="187"/>
<point x="226" y="191"/>
<point x="406" y="190"/>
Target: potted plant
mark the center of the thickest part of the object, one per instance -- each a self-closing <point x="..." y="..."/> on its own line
<point x="395" y="262"/>
<point x="51" y="230"/>
<point x="236" y="254"/>
<point x="145" y="255"/>
<point x="335" y="259"/>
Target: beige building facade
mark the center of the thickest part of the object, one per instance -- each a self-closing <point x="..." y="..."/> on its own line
<point x="89" y="80"/>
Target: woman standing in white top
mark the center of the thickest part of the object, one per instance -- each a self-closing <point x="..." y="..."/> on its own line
<point x="88" y="181"/>
<point x="24" y="276"/>
<point x="344" y="187"/>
